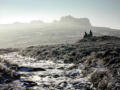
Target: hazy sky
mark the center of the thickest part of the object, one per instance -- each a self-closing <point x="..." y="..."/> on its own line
<point x="100" y="12"/>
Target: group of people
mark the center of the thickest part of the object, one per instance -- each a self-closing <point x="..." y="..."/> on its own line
<point x="87" y="35"/>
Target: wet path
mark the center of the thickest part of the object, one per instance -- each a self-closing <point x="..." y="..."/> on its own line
<point x="46" y="74"/>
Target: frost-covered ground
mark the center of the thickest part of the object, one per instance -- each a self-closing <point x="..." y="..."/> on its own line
<point x="46" y="74"/>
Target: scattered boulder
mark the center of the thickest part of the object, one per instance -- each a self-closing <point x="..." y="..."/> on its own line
<point x="29" y="83"/>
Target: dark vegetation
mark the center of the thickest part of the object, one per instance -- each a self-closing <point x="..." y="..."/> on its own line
<point x="99" y="55"/>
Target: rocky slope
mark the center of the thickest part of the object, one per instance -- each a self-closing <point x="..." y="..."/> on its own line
<point x="100" y="57"/>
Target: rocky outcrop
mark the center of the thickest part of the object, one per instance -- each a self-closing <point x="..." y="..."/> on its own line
<point x="77" y="21"/>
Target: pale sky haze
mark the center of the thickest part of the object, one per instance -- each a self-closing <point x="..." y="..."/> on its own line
<point x="104" y="13"/>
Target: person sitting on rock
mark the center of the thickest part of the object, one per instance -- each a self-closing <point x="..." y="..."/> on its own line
<point x="91" y="34"/>
<point x="86" y="35"/>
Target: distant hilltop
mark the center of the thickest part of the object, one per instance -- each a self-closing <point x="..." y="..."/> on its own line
<point x="68" y="20"/>
<point x="71" y="19"/>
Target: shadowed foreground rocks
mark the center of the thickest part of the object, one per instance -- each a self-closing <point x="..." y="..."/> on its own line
<point x="7" y="75"/>
<point x="100" y="57"/>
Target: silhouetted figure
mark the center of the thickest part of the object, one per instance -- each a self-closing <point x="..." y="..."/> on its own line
<point x="91" y="34"/>
<point x="85" y="35"/>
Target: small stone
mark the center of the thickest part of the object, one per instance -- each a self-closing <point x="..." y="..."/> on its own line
<point x="29" y="83"/>
<point x="56" y="76"/>
<point x="63" y="84"/>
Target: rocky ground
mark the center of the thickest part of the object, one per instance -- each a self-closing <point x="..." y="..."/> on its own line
<point x="99" y="56"/>
<point x="89" y="64"/>
<point x="46" y="75"/>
